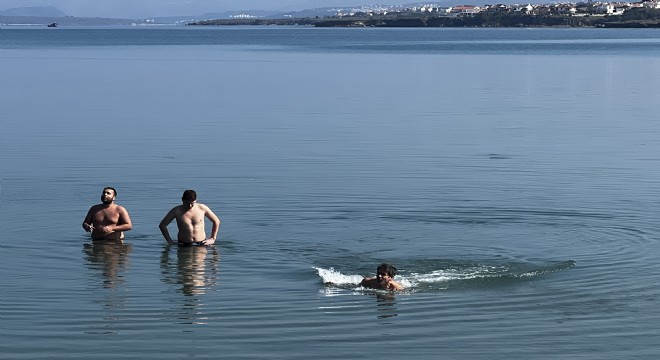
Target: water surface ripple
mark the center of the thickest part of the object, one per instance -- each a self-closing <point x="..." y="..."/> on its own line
<point x="509" y="174"/>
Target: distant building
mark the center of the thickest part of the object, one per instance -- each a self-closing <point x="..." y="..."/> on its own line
<point x="465" y="9"/>
<point x="651" y="4"/>
<point x="243" y="16"/>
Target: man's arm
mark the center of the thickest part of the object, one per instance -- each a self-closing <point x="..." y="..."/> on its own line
<point x="163" y="227"/>
<point x="87" y="223"/>
<point x="124" y="223"/>
<point x="395" y="285"/>
<point x="216" y="225"/>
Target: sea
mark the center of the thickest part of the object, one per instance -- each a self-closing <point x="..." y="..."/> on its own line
<point x="512" y="176"/>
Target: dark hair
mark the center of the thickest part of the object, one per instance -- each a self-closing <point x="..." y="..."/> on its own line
<point x="386" y="268"/>
<point x="189" y="195"/>
<point x="110" y="188"/>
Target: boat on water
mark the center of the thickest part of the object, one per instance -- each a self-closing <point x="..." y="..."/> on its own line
<point x="52" y="24"/>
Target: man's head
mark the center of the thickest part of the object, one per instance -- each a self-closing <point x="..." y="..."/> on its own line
<point x="385" y="269"/>
<point x="189" y="197"/>
<point x="108" y="195"/>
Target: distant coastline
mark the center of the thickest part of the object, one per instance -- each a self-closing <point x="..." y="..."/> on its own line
<point x="633" y="18"/>
<point x="495" y="16"/>
<point x="463" y="21"/>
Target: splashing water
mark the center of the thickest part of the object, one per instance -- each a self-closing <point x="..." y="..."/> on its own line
<point x="336" y="277"/>
<point x="466" y="274"/>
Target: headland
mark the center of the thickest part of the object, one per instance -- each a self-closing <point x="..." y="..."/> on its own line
<point x="600" y="15"/>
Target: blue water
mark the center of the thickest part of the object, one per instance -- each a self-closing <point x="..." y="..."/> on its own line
<point x="512" y="175"/>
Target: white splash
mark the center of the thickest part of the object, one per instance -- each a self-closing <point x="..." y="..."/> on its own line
<point x="336" y="277"/>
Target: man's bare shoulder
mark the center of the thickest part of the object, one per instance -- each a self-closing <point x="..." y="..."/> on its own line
<point x="114" y="208"/>
<point x="179" y="210"/>
<point x="369" y="282"/>
<point x="201" y="208"/>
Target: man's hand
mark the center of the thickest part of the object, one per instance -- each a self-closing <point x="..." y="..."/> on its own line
<point x="209" y="241"/>
<point x="106" y="229"/>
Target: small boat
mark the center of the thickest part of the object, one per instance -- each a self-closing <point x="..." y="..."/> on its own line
<point x="52" y="25"/>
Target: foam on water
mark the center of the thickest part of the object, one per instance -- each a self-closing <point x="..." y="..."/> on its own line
<point x="332" y="276"/>
<point x="439" y="279"/>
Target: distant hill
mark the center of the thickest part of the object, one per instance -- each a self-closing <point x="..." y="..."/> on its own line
<point x="253" y="14"/>
<point x="210" y="16"/>
<point x="36" y="11"/>
<point x="67" y="21"/>
<point x="326" y="11"/>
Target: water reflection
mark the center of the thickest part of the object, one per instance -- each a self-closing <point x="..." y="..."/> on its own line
<point x="109" y="259"/>
<point x="196" y="268"/>
<point x="195" y="272"/>
<point x="385" y="301"/>
<point x="386" y="306"/>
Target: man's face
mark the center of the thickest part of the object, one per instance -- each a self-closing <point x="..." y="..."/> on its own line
<point x="108" y="196"/>
<point x="189" y="204"/>
<point x="383" y="278"/>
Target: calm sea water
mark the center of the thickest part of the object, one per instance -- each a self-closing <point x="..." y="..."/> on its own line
<point x="511" y="175"/>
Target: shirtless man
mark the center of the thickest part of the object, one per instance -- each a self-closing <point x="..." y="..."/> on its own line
<point x="190" y="220"/>
<point x="384" y="279"/>
<point x="107" y="221"/>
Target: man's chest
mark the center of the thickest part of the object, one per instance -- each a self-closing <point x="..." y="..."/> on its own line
<point x="193" y="217"/>
<point x="106" y="216"/>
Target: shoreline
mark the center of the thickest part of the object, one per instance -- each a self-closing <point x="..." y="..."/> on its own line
<point x="427" y="23"/>
<point x="471" y="21"/>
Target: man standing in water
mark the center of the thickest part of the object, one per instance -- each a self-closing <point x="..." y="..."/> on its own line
<point x="190" y="220"/>
<point x="107" y="221"/>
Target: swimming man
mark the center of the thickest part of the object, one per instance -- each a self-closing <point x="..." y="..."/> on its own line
<point x="107" y="221"/>
<point x="384" y="279"/>
<point x="190" y="220"/>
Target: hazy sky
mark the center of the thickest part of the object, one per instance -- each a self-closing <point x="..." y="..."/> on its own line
<point x="150" y="8"/>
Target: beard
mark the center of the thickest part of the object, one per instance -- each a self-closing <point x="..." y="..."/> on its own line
<point x="106" y="202"/>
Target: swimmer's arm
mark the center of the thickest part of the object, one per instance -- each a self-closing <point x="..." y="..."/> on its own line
<point x="163" y="226"/>
<point x="395" y="286"/>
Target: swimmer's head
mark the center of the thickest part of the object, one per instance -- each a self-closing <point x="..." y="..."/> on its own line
<point x="385" y="269"/>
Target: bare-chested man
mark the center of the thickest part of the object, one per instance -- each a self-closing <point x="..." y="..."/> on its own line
<point x="107" y="221"/>
<point x="190" y="220"/>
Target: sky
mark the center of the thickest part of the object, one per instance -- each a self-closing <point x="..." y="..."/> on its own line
<point x="153" y="8"/>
